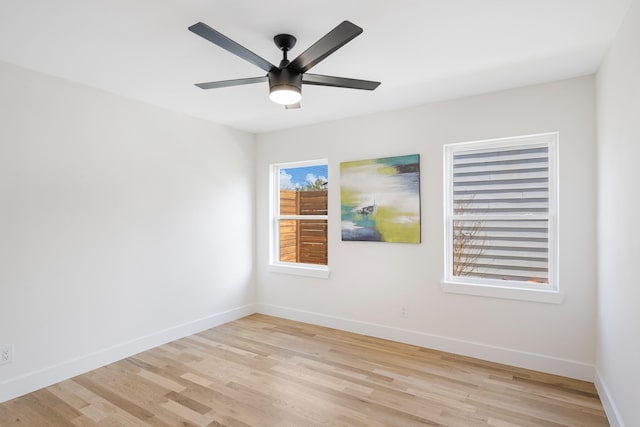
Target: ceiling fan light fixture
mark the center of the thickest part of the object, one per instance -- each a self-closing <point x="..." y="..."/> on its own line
<point x="285" y="95"/>
<point x="285" y="86"/>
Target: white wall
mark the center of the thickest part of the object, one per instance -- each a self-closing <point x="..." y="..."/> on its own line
<point x="618" y="93"/>
<point x="370" y="282"/>
<point x="122" y="226"/>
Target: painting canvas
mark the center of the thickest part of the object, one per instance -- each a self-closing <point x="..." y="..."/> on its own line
<point x="380" y="199"/>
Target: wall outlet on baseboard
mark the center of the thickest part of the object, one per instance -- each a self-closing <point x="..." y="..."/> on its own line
<point x="6" y="354"/>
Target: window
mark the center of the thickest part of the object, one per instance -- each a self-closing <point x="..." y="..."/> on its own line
<point x="500" y="202"/>
<point x="299" y="242"/>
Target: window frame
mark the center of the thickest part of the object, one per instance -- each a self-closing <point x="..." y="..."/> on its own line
<point x="275" y="265"/>
<point x="510" y="289"/>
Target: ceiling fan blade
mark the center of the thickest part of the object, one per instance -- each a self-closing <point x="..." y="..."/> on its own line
<point x="236" y="82"/>
<point x="332" y="41"/>
<point x="219" y="39"/>
<point x="292" y="106"/>
<point x="319" y="80"/>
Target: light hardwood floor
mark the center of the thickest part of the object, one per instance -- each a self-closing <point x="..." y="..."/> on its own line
<point x="266" y="371"/>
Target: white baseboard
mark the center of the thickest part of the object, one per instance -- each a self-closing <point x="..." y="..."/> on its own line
<point x="607" y="401"/>
<point x="18" y="386"/>
<point x="523" y="359"/>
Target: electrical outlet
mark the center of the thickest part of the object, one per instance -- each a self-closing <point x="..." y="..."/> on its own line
<point x="6" y="354"/>
<point x="404" y="311"/>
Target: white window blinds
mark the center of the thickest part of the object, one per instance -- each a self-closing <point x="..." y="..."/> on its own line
<point x="500" y="211"/>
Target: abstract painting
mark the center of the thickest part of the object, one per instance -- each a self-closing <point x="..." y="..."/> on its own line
<point x="380" y="199"/>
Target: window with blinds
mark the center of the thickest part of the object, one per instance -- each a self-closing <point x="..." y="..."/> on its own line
<point x="501" y="210"/>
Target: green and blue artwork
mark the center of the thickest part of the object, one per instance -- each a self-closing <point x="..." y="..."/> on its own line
<point x="380" y="199"/>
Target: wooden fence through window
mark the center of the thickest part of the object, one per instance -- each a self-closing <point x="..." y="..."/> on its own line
<point x="303" y="240"/>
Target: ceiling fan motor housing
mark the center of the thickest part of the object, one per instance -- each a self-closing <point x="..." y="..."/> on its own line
<point x="285" y="79"/>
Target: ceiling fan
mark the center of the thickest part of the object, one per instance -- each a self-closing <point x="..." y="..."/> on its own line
<point x="285" y="80"/>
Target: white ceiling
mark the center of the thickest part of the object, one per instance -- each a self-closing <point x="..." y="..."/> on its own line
<point x="421" y="50"/>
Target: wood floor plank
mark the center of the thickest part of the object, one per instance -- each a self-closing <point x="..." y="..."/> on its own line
<point x="271" y="372"/>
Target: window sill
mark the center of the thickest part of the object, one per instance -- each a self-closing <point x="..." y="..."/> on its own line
<point x="308" y="270"/>
<point x="534" y="295"/>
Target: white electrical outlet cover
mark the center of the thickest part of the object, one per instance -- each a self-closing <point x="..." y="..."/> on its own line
<point x="6" y="354"/>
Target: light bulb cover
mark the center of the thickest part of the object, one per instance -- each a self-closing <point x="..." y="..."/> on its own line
<point x="285" y="95"/>
<point x="285" y="86"/>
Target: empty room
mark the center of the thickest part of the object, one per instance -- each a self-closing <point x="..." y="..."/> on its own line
<point x="345" y="213"/>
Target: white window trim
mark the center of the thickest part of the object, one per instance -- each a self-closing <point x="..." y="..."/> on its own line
<point x="275" y="265"/>
<point x="496" y="288"/>
<point x="502" y="292"/>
